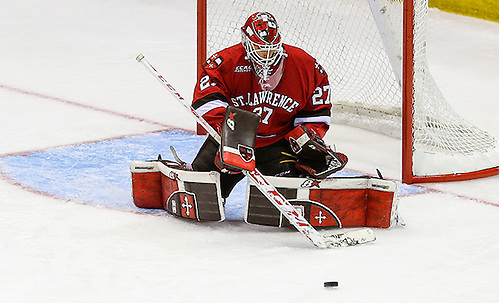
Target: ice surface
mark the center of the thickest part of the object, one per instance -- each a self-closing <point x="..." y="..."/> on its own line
<point x="73" y="96"/>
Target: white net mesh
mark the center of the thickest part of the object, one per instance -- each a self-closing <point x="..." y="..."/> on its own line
<point x="359" y="43"/>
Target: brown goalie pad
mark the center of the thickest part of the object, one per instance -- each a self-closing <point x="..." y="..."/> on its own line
<point x="332" y="202"/>
<point x="186" y="194"/>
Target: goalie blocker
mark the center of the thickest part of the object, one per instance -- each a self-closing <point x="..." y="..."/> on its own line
<point x="237" y="148"/>
<point x="332" y="202"/>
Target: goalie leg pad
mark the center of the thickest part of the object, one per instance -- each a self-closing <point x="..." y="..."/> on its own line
<point x="186" y="194"/>
<point x="146" y="185"/>
<point x="239" y="130"/>
<point x="333" y="202"/>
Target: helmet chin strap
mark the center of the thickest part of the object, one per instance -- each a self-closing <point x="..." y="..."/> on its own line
<point x="273" y="80"/>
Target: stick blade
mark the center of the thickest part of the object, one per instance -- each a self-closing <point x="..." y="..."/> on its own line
<point x="350" y="238"/>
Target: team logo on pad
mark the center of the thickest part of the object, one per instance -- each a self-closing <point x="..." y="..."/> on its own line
<point x="182" y="204"/>
<point x="317" y="213"/>
<point x="245" y="152"/>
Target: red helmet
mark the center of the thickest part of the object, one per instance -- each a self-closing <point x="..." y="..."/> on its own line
<point x="262" y="41"/>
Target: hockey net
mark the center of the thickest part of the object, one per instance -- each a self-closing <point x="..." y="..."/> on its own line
<point x="361" y="43"/>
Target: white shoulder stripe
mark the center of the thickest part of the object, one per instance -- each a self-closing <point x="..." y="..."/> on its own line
<point x="320" y="119"/>
<point x="210" y="106"/>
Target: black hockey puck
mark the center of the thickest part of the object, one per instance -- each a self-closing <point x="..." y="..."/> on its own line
<point x="331" y="284"/>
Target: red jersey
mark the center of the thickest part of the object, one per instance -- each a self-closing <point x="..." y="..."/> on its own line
<point x="301" y="97"/>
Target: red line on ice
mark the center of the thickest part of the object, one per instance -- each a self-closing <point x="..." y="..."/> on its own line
<point x="64" y="101"/>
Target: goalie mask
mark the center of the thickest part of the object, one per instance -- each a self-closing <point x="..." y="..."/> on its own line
<point x="262" y="41"/>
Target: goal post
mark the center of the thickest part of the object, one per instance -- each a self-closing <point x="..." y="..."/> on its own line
<point x="407" y="89"/>
<point x="201" y="35"/>
<point x="375" y="54"/>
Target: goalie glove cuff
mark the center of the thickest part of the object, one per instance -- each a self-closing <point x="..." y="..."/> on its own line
<point x="299" y="137"/>
<point x="225" y="168"/>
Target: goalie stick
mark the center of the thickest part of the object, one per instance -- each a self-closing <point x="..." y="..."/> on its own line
<point x="269" y="191"/>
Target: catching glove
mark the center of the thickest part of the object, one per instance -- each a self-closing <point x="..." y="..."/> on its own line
<point x="315" y="158"/>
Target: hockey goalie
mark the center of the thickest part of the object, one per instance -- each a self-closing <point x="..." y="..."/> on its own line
<point x="270" y="103"/>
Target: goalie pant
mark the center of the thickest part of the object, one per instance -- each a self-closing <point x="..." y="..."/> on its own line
<point x="275" y="159"/>
<point x="332" y="202"/>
